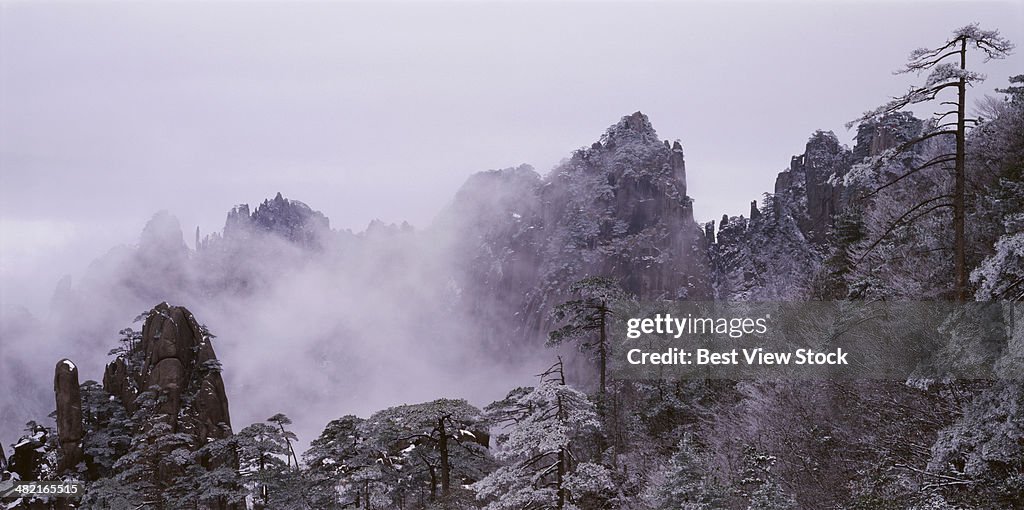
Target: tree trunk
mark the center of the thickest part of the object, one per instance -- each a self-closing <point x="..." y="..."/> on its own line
<point x="602" y="395"/>
<point x="442" y="446"/>
<point x="433" y="482"/>
<point x="561" y="475"/>
<point x="560" y="471"/>
<point x="959" y="205"/>
<point x="602" y="350"/>
<point x="291" y="451"/>
<point x="263" y="486"/>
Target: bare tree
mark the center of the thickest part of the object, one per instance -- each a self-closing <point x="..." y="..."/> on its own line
<point x="947" y="66"/>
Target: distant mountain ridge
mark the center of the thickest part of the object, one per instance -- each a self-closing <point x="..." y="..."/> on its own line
<point x="512" y="241"/>
<point x="498" y="258"/>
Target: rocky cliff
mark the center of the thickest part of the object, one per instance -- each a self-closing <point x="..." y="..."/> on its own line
<point x="617" y="208"/>
<point x="777" y="251"/>
<point x="806" y="186"/>
<point x="514" y="240"/>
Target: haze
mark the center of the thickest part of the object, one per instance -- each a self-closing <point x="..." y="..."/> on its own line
<point x="110" y="112"/>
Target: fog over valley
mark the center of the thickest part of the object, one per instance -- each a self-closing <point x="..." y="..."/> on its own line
<point x="424" y="231"/>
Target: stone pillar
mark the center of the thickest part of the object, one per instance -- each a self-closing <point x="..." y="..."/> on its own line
<point x="70" y="429"/>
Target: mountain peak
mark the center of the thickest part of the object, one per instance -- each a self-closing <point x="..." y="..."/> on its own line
<point x="633" y="127"/>
<point x="291" y="219"/>
<point x="637" y="121"/>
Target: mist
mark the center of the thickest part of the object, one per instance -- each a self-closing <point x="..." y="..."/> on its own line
<point x="112" y="112"/>
<point x="333" y="324"/>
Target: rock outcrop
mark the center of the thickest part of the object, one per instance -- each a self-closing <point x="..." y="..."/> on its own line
<point x="175" y="356"/>
<point x="766" y="257"/>
<point x="159" y="267"/>
<point x="285" y="231"/>
<point x="167" y="374"/>
<point x="617" y="208"/>
<point x="775" y="253"/>
<point x="70" y="429"/>
<point x="888" y="132"/>
<point x="290" y="219"/>
<point x="620" y="208"/>
<point x="28" y="456"/>
<point x="807" y="184"/>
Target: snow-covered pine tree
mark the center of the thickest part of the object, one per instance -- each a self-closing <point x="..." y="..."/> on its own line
<point x="281" y="420"/>
<point x="262" y="449"/>
<point x="834" y="279"/>
<point x="108" y="430"/>
<point x="998" y="147"/>
<point x="759" y="485"/>
<point x="943" y="75"/>
<point x="152" y="472"/>
<point x="218" y="482"/>
<point x="355" y="454"/>
<point x="34" y="457"/>
<point x="332" y="458"/>
<point x="685" y="483"/>
<point x="586" y="320"/>
<point x="438" y="444"/>
<point x="541" y="469"/>
<point x="982" y="452"/>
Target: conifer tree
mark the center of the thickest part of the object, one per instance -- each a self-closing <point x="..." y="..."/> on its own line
<point x="587" y="319"/>
<point x="542" y="469"/>
<point x="947" y="68"/>
<point x="437" y="437"/>
<point x="685" y="483"/>
<point x="261" y="448"/>
<point x="332" y="458"/>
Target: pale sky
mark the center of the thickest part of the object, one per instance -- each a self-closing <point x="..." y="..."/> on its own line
<point x="110" y="112"/>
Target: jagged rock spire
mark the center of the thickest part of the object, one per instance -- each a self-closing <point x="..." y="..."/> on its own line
<point x="290" y="219"/>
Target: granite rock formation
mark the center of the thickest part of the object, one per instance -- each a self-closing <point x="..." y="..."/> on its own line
<point x="617" y="208"/>
<point x="620" y="208"/>
<point x="890" y="131"/>
<point x="289" y="219"/>
<point x="807" y="184"/>
<point x="70" y="429"/>
<point x="175" y="356"/>
<point x="28" y="456"/>
<point x="234" y="260"/>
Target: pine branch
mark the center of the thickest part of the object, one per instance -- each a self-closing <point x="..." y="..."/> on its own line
<point x="899" y="221"/>
<point x="945" y="158"/>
